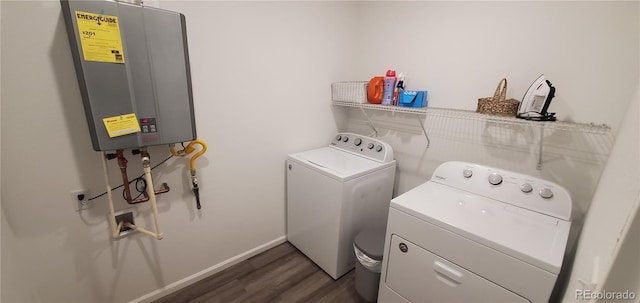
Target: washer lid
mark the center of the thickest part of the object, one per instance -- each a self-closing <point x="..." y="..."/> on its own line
<point x="532" y="237"/>
<point x="338" y="164"/>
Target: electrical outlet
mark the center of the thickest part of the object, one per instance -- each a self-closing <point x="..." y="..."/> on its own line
<point x="80" y="199"/>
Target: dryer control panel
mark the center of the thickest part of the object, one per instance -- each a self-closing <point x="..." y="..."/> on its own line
<point x="506" y="186"/>
<point x="371" y="148"/>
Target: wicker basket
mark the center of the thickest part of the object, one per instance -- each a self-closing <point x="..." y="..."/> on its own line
<point x="350" y="91"/>
<point x="498" y="104"/>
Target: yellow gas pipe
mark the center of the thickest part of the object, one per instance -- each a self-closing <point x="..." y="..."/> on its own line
<point x="192" y="164"/>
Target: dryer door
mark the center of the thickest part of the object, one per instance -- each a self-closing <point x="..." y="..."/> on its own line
<point x="420" y="276"/>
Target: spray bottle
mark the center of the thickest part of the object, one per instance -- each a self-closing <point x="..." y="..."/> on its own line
<point x="399" y="88"/>
<point x="389" y="86"/>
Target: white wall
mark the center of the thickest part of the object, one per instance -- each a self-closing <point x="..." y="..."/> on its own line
<point x="607" y="256"/>
<point x="625" y="268"/>
<point x="261" y="76"/>
<point x="612" y="212"/>
<point x="458" y="51"/>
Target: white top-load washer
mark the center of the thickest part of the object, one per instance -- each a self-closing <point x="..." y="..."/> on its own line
<point x="335" y="192"/>
<point x="475" y="234"/>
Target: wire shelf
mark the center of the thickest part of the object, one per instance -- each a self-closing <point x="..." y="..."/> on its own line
<point x="567" y="139"/>
<point x="591" y="128"/>
<point x="389" y="108"/>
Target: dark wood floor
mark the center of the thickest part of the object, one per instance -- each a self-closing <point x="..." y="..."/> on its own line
<point x="281" y="274"/>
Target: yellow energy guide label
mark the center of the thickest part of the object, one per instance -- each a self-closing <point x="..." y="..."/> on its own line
<point x="121" y="125"/>
<point x="100" y="37"/>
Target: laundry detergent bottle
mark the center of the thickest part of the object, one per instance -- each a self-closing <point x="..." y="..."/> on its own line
<point x="389" y="86"/>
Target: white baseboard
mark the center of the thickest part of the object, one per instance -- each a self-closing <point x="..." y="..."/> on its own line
<point x="159" y="293"/>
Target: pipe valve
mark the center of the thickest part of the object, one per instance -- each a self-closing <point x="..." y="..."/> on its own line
<point x="195" y="188"/>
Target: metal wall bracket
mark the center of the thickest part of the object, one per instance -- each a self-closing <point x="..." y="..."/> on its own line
<point x="539" y="166"/>
<point x="370" y="122"/>
<point x="424" y="131"/>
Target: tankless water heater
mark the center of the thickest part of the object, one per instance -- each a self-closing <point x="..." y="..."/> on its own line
<point x="132" y="65"/>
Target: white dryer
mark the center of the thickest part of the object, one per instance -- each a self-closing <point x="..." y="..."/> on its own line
<point x="335" y="192"/>
<point x="475" y="234"/>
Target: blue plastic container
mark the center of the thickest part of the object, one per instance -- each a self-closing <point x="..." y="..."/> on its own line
<point x="413" y="98"/>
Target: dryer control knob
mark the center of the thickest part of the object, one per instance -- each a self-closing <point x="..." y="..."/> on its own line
<point x="370" y="145"/>
<point x="379" y="148"/>
<point x="526" y="187"/>
<point x="495" y="179"/>
<point x="467" y="173"/>
<point x="403" y="247"/>
<point x="546" y="193"/>
<point x="338" y="138"/>
<point x="357" y="142"/>
<point x="345" y="139"/>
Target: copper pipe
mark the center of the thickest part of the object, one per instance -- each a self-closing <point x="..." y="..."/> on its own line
<point x="165" y="188"/>
<point x="122" y="163"/>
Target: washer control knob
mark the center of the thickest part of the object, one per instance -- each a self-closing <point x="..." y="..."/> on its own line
<point x="345" y="139"/>
<point x="495" y="179"/>
<point x="379" y="148"/>
<point x="370" y="145"/>
<point x="338" y="138"/>
<point x="546" y="193"/>
<point x="357" y="142"/>
<point x="526" y="187"/>
<point x="467" y="173"/>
